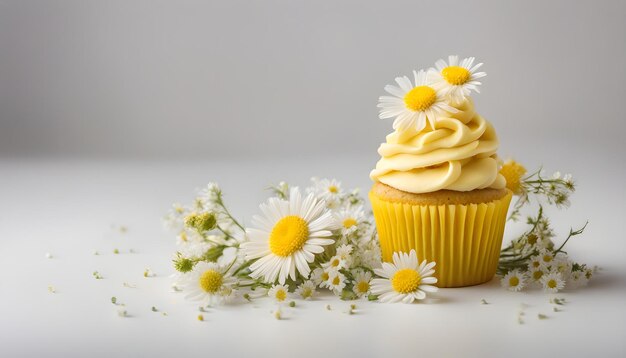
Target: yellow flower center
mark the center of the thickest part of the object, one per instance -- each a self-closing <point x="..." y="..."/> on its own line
<point x="288" y="235"/>
<point x="363" y="287"/>
<point x="333" y="189"/>
<point x="336" y="281"/>
<point x="306" y="292"/>
<point x="348" y="223"/>
<point x="211" y="281"/>
<point x="325" y="276"/>
<point x="456" y="75"/>
<point x="536" y="264"/>
<point x="335" y="262"/>
<point x="537" y="274"/>
<point x="547" y="258"/>
<point x="406" y="281"/>
<point x="513" y="172"/>
<point x="532" y="239"/>
<point x="420" y="98"/>
<point x="281" y="295"/>
<point x="552" y="283"/>
<point x="514" y="281"/>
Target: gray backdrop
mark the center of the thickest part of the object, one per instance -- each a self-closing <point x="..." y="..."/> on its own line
<point x="220" y="79"/>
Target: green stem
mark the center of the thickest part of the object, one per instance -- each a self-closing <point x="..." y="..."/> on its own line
<point x="571" y="233"/>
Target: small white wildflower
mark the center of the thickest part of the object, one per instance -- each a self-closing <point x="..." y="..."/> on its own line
<point x="552" y="282"/>
<point x="343" y="251"/>
<point x="306" y="290"/>
<point x="280" y="293"/>
<point x="328" y="190"/>
<point x="514" y="280"/>
<point x="577" y="279"/>
<point x="336" y="262"/>
<point x="362" y="281"/>
<point x="336" y="281"/>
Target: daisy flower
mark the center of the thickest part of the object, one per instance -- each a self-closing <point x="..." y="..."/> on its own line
<point x="208" y="282"/>
<point x="369" y="256"/>
<point x="362" y="283"/>
<point x="514" y="280"/>
<point x="288" y="236"/>
<point x="404" y="280"/>
<point x="411" y="105"/>
<point x="348" y="219"/>
<point x="457" y="79"/>
<point x="577" y="279"/>
<point x="344" y="251"/>
<point x="280" y="293"/>
<point x="536" y="274"/>
<point x="306" y="290"/>
<point x="552" y="282"/>
<point x="534" y="263"/>
<point x="336" y="281"/>
<point x="328" y="190"/>
<point x="547" y="258"/>
<point x="336" y="263"/>
<point x="319" y="276"/>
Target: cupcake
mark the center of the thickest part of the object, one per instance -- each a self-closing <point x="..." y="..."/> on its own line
<point x="437" y="187"/>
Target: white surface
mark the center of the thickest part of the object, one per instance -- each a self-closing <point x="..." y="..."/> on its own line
<point x="68" y="209"/>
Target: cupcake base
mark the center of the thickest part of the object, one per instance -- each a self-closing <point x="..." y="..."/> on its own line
<point x="461" y="231"/>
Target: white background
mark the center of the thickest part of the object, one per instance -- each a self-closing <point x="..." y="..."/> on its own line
<point x="110" y="111"/>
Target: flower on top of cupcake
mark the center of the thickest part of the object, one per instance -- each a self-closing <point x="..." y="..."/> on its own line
<point x="431" y="95"/>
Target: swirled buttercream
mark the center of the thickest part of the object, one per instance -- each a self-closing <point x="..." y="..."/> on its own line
<point x="458" y="154"/>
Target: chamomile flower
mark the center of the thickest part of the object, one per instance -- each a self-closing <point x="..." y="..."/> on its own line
<point x="209" y="283"/>
<point x="535" y="274"/>
<point x="336" y="263"/>
<point x="348" y="219"/>
<point x="552" y="282"/>
<point x="336" y="281"/>
<point x="563" y="265"/>
<point x="514" y="280"/>
<point x="412" y="105"/>
<point x="343" y="251"/>
<point x="306" y="290"/>
<point x="369" y="256"/>
<point x="328" y="190"/>
<point x="279" y="293"/>
<point x="577" y="279"/>
<point x="319" y="276"/>
<point x="404" y="280"/>
<point x="362" y="283"/>
<point x="535" y="262"/>
<point x="457" y="79"/>
<point x="547" y="258"/>
<point x="288" y="236"/>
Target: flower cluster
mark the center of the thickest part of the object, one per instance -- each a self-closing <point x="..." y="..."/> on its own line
<point x="431" y="95"/>
<point x="302" y="241"/>
<point x="323" y="238"/>
<point x="533" y="259"/>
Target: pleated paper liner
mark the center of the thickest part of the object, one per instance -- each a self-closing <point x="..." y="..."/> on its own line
<point x="463" y="239"/>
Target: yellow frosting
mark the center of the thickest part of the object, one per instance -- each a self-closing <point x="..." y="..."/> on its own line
<point x="458" y="154"/>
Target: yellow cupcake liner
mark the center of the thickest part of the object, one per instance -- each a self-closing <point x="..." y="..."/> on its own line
<point x="464" y="239"/>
